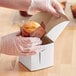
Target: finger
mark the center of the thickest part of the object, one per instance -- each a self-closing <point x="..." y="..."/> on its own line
<point x="36" y="49"/>
<point x="58" y="7"/>
<point x="28" y="41"/>
<point x="52" y="11"/>
<point x="23" y="49"/>
<point x="33" y="41"/>
<point x="27" y="54"/>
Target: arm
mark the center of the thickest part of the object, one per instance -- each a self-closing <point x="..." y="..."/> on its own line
<point x="16" y="4"/>
<point x="31" y="6"/>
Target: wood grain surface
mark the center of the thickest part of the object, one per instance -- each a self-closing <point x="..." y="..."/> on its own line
<point x="65" y="50"/>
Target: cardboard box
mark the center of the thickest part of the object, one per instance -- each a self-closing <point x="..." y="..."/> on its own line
<point x="45" y="58"/>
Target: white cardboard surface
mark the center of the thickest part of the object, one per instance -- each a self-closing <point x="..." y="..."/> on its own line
<point x="54" y="27"/>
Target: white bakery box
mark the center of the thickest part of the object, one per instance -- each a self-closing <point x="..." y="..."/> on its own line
<point x="45" y="58"/>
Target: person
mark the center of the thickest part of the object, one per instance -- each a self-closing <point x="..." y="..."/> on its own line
<point x="16" y="45"/>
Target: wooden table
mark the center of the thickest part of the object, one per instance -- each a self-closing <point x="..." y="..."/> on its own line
<point x="65" y="51"/>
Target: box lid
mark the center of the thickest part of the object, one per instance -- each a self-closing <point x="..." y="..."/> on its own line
<point x="54" y="25"/>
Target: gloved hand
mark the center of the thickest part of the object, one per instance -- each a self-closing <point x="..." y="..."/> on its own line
<point x="50" y="6"/>
<point x="17" y="45"/>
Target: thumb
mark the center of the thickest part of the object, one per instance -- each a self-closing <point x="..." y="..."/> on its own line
<point x="58" y="7"/>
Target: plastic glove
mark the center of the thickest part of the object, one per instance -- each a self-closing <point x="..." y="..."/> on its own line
<point x="16" y="45"/>
<point x="51" y="6"/>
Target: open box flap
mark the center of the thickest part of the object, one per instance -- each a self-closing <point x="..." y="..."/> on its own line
<point x="54" y="25"/>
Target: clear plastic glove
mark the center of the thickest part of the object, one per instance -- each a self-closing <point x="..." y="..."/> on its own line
<point x="16" y="45"/>
<point x="50" y="6"/>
